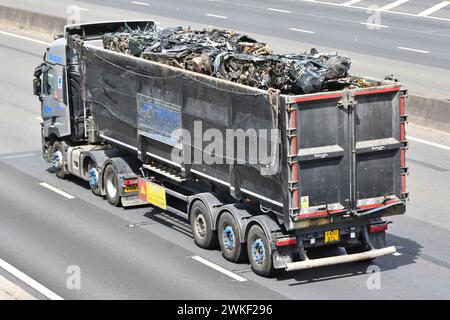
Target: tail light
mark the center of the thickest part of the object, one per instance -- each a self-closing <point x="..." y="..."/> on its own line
<point x="378" y="228"/>
<point x="286" y="242"/>
<point x="130" y="182"/>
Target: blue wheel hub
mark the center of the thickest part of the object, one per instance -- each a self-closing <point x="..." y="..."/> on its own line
<point x="57" y="159"/>
<point x="258" y="251"/>
<point x="228" y="238"/>
<point x="93" y="177"/>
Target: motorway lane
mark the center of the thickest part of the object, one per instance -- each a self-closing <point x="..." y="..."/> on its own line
<point x="375" y="53"/>
<point x="42" y="233"/>
<point x="337" y="27"/>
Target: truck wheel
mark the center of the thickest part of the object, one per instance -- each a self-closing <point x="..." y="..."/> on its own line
<point x="112" y="186"/>
<point x="94" y="178"/>
<point x="201" y="224"/>
<point x="259" y="254"/>
<point x="58" y="158"/>
<point x="229" y="239"/>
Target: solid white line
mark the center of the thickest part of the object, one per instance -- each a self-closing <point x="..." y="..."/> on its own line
<point x="392" y="5"/>
<point x="60" y="192"/>
<point x="435" y="8"/>
<point x="279" y="10"/>
<point x="19" y="156"/>
<point x="301" y="30"/>
<point x="215" y="16"/>
<point x="29" y="281"/>
<point x="349" y="3"/>
<point x="220" y="269"/>
<point x="415" y="50"/>
<point x="433" y="144"/>
<point x="24" y="38"/>
<point x="140" y="3"/>
<point x="374" y="25"/>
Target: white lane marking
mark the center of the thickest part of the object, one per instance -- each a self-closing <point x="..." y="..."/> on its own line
<point x="365" y="9"/>
<point x="414" y="50"/>
<point x="433" y="144"/>
<point x="279" y="10"/>
<point x="29" y="281"/>
<point x="349" y="3"/>
<point x="301" y="30"/>
<point x="220" y="269"/>
<point x="24" y="38"/>
<point x="80" y="8"/>
<point x="392" y="5"/>
<point x="56" y="190"/>
<point x="140" y="3"/>
<point x="215" y="16"/>
<point x="433" y="9"/>
<point x="397" y="254"/>
<point x="374" y="25"/>
<point x="19" y="156"/>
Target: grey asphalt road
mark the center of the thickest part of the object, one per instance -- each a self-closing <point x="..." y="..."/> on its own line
<point x="414" y="48"/>
<point x="43" y="233"/>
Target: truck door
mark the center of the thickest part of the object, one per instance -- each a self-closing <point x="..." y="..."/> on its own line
<point x="350" y="151"/>
<point x="55" y="112"/>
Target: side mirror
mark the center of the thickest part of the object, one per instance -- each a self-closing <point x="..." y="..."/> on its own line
<point x="37" y="87"/>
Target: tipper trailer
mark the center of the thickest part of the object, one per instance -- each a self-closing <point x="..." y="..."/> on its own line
<point x="143" y="132"/>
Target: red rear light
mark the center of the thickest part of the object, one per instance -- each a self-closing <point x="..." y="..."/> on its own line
<point x="130" y="182"/>
<point x="378" y="228"/>
<point x="286" y="242"/>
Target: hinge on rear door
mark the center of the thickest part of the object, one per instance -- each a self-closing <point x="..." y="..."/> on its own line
<point x="347" y="101"/>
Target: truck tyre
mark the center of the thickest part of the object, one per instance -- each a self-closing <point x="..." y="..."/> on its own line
<point x="94" y="178"/>
<point x="259" y="254"/>
<point x="58" y="158"/>
<point x="201" y="224"/>
<point x="112" y="186"/>
<point x="229" y="239"/>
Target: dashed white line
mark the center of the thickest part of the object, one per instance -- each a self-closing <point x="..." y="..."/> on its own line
<point x="220" y="269"/>
<point x="375" y="25"/>
<point x="24" y="38"/>
<point x="215" y="16"/>
<point x="279" y="10"/>
<point x="433" y="144"/>
<point x="397" y="254"/>
<point x="29" y="281"/>
<point x="301" y="30"/>
<point x="140" y="3"/>
<point x="80" y="8"/>
<point x="392" y="5"/>
<point x="56" y="190"/>
<point x="414" y="50"/>
<point x="351" y="2"/>
<point x="433" y="9"/>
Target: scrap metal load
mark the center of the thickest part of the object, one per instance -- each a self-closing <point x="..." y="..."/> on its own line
<point x="235" y="57"/>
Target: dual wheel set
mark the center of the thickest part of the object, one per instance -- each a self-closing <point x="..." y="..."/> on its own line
<point x="255" y="248"/>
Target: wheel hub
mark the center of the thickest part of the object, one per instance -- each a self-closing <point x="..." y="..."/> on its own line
<point x="228" y="238"/>
<point x="93" y="177"/>
<point x="200" y="225"/>
<point x="258" y="251"/>
<point x="57" y="159"/>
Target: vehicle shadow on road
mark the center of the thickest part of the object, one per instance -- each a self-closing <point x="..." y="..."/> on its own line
<point x="407" y="257"/>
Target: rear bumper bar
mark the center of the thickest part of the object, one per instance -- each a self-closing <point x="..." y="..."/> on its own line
<point x="314" y="263"/>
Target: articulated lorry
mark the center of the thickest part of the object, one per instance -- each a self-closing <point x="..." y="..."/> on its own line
<point x="140" y="132"/>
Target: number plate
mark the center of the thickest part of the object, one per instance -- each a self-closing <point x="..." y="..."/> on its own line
<point x="131" y="189"/>
<point x="331" y="236"/>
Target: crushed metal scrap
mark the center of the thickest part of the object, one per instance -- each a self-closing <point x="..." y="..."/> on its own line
<point x="236" y="57"/>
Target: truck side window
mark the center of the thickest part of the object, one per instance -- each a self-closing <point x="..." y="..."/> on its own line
<point x="48" y="82"/>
